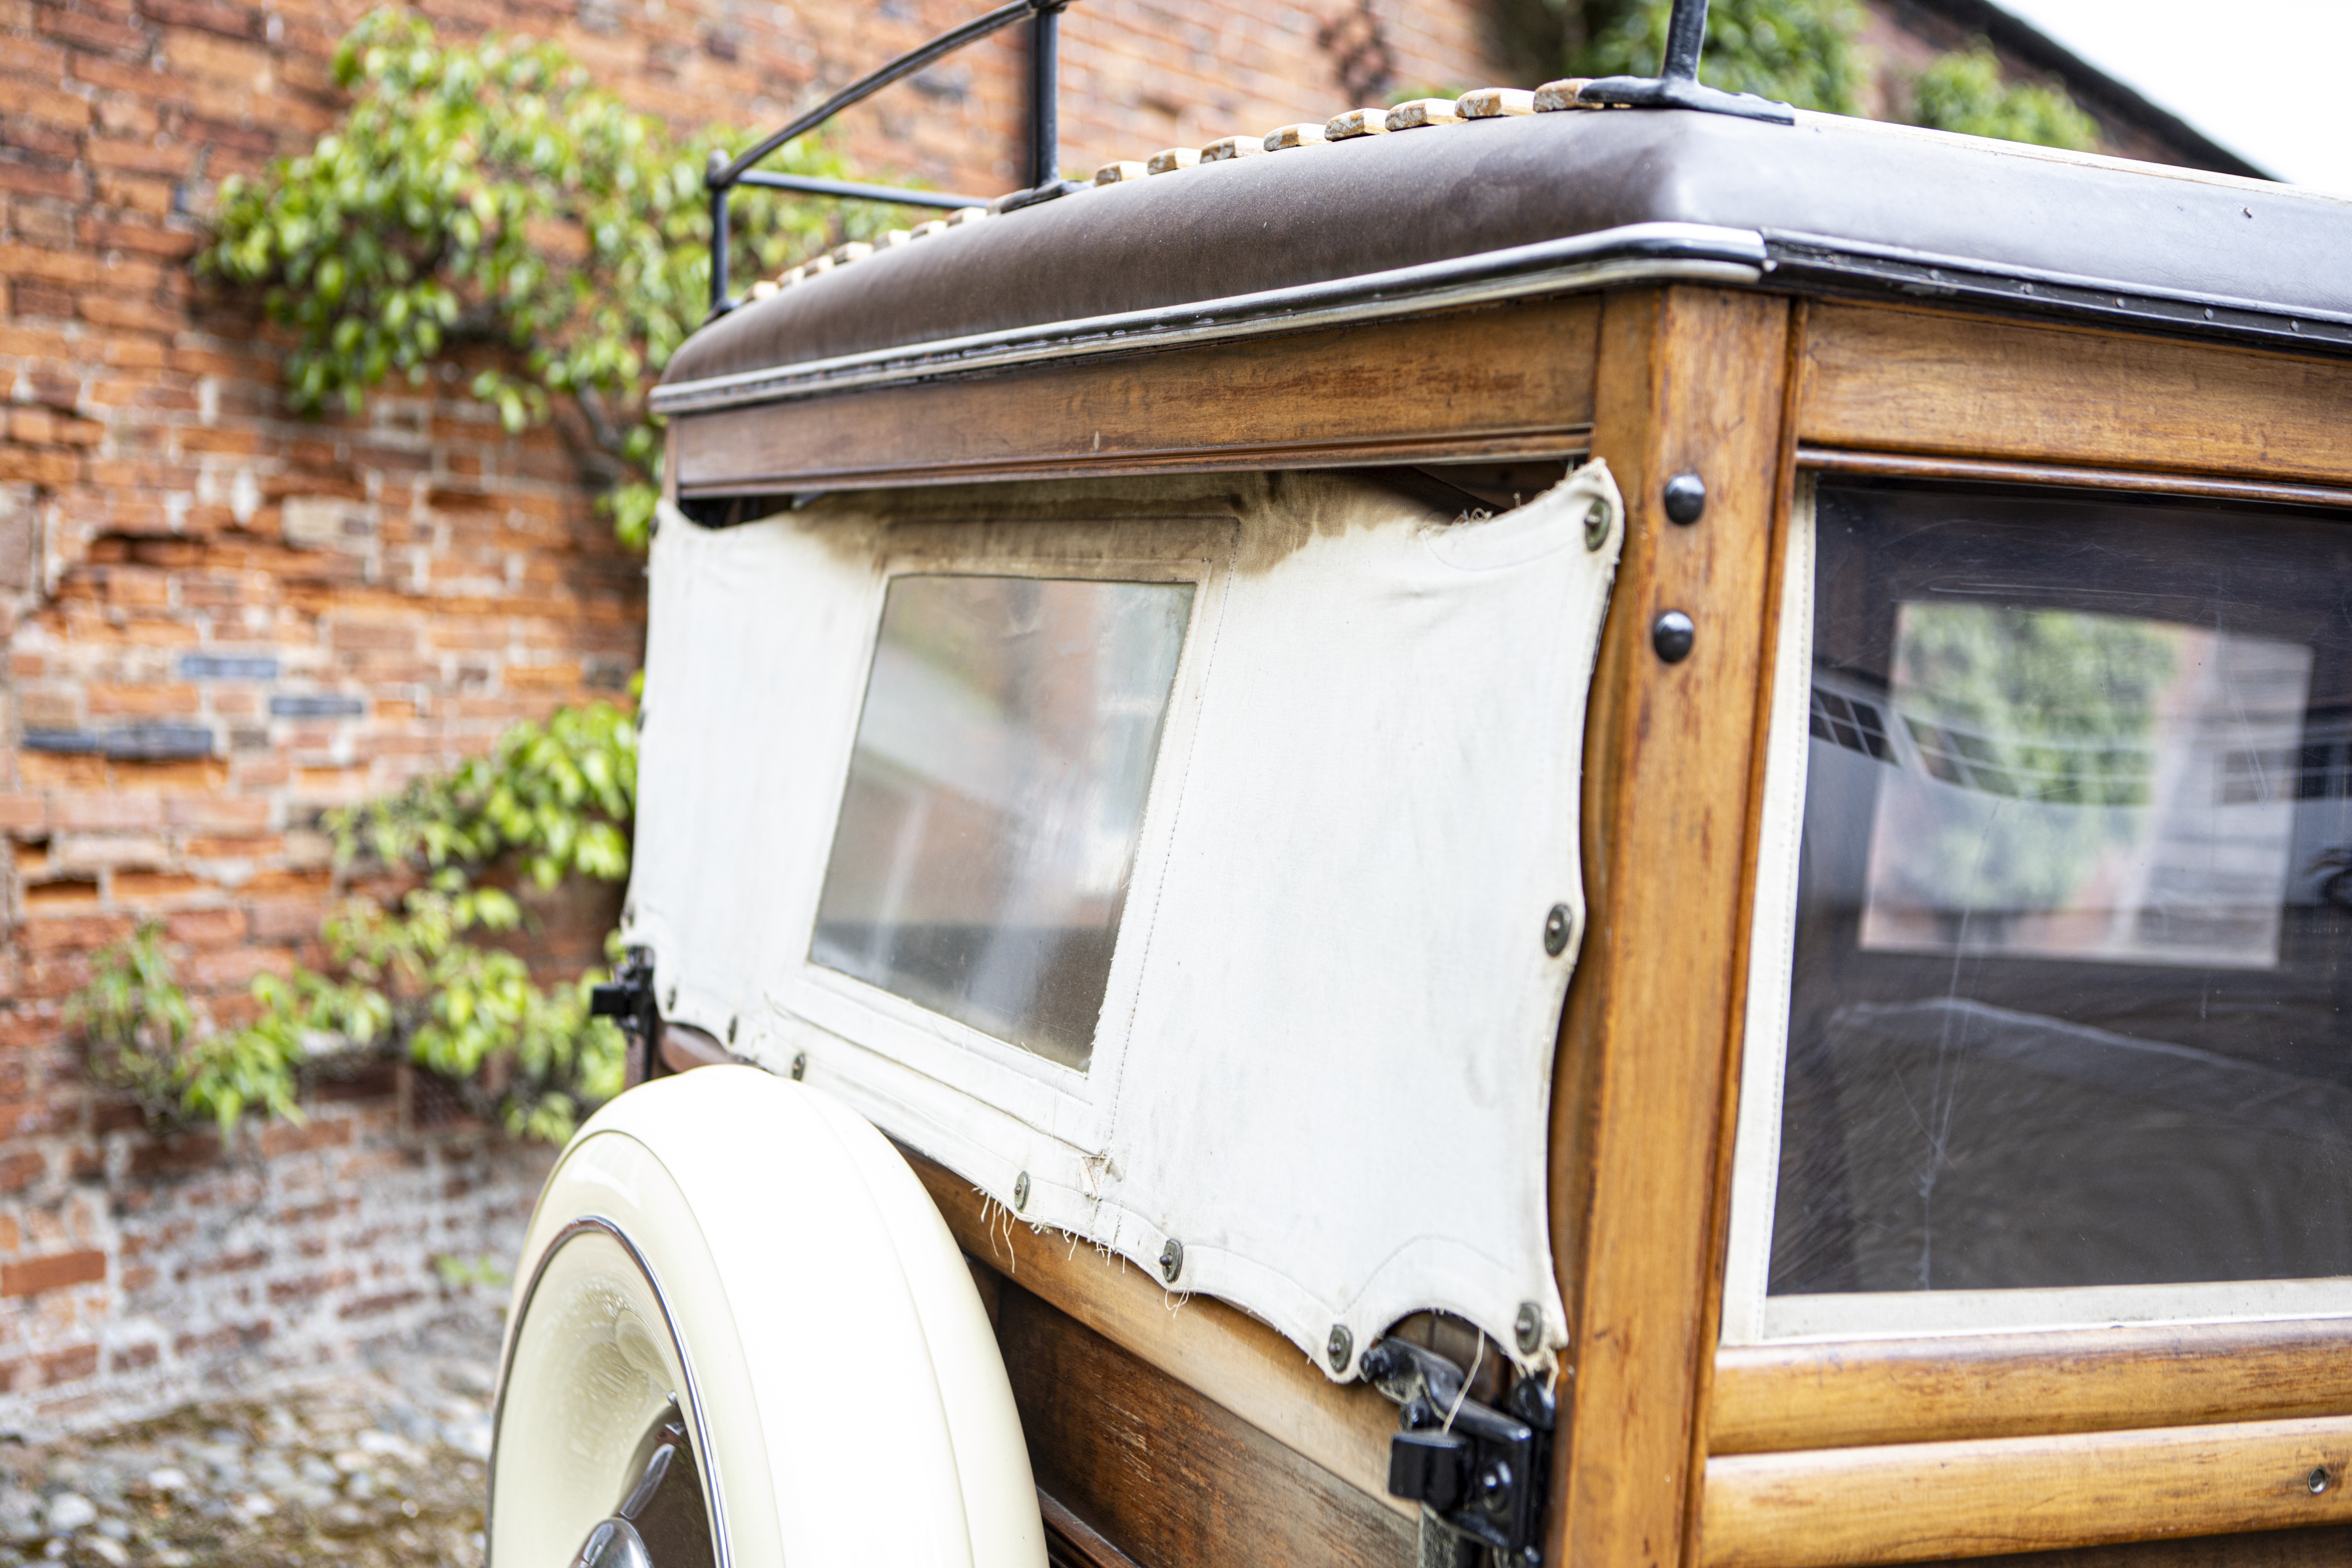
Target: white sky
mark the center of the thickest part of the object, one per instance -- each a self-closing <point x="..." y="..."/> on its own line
<point x="2264" y="77"/>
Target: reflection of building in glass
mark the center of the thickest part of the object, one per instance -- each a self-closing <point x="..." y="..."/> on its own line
<point x="2063" y="787"/>
<point x="988" y="829"/>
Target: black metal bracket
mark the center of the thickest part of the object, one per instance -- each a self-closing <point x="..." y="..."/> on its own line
<point x="1044" y="134"/>
<point x="1676" y="85"/>
<point x="1482" y="1474"/>
<point x="628" y="998"/>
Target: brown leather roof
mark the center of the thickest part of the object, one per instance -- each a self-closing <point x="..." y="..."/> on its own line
<point x="1841" y="204"/>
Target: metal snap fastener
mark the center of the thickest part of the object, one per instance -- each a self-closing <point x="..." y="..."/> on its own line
<point x="1338" y="1346"/>
<point x="1171" y="1260"/>
<point x="1020" y="1192"/>
<point x="1528" y="1326"/>
<point x="800" y="1066"/>
<point x="1686" y="498"/>
<point x="1596" y="524"/>
<point x="1556" y="925"/>
<point x="1672" y="635"/>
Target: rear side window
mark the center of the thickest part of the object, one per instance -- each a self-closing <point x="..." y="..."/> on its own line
<point x="995" y="796"/>
<point x="2067" y="990"/>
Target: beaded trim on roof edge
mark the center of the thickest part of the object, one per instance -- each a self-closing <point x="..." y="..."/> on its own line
<point x="1486" y="103"/>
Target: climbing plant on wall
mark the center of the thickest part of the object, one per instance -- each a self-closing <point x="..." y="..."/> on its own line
<point x="490" y="194"/>
<point x="482" y="194"/>
<point x="414" y="978"/>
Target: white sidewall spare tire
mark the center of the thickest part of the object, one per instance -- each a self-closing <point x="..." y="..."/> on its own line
<point x="755" y="1250"/>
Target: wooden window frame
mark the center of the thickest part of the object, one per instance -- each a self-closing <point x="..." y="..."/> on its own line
<point x="1834" y="1454"/>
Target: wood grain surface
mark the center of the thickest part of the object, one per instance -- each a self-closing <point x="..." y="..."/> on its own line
<point x="1504" y="381"/>
<point x="1999" y="1385"/>
<point x="1979" y="470"/>
<point x="1918" y="1502"/>
<point x="2319" y="1547"/>
<point x="1689" y="379"/>
<point x="1170" y="1478"/>
<point x="1224" y="1355"/>
<point x="1885" y="379"/>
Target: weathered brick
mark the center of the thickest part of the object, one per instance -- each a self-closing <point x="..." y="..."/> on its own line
<point x="90" y="32"/>
<point x="68" y="1366"/>
<point x="31" y="1275"/>
<point x="20" y="1169"/>
<point x="112" y="811"/>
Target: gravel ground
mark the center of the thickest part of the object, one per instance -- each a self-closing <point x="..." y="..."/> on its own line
<point x="380" y="1470"/>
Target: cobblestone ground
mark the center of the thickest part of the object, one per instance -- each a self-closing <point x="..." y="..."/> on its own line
<point x="383" y="1469"/>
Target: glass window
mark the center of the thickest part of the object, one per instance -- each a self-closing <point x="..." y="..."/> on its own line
<point x="2069" y="995"/>
<point x="995" y="796"/>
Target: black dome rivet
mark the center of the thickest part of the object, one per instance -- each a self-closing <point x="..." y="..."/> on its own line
<point x="1672" y="635"/>
<point x="1685" y="497"/>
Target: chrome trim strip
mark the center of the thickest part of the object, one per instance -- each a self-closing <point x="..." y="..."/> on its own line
<point x="1635" y="251"/>
<point x="596" y="1224"/>
<point x="1855" y="266"/>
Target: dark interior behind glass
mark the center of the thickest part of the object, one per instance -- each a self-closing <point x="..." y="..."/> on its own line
<point x="2069" y="997"/>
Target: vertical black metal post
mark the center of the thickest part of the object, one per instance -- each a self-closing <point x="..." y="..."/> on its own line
<point x="718" y="237"/>
<point x="1686" y="36"/>
<point x="1044" y="95"/>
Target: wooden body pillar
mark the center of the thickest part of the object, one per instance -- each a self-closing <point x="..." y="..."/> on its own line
<point x="1690" y="379"/>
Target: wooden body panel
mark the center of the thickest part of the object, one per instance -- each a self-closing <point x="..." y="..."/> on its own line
<point x="1505" y="381"/>
<point x="1170" y="1477"/>
<point x="1181" y="1431"/>
<point x="2004" y="1385"/>
<point x="1922" y="1502"/>
<point x="1888" y="380"/>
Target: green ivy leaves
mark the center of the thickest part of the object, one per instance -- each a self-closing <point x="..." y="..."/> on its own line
<point x="554" y="799"/>
<point x="557" y="794"/>
<point x="488" y="194"/>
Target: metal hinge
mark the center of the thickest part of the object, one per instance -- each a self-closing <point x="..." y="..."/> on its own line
<point x="628" y="999"/>
<point x="1481" y="1475"/>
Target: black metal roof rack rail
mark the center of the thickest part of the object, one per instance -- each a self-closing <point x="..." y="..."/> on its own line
<point x="1045" y="149"/>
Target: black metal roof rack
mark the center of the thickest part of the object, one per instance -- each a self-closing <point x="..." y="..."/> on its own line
<point x="1045" y="149"/>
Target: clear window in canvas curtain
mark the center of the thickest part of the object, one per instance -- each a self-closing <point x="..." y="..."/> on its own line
<point x="2070" y="1003"/>
<point x="987" y="832"/>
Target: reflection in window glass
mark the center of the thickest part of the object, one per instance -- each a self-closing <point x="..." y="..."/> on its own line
<point x="989" y="828"/>
<point x="2074" y="896"/>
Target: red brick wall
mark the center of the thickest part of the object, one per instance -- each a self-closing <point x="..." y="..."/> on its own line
<point x="319" y="610"/>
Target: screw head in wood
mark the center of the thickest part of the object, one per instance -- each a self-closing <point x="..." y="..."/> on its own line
<point x="1686" y="498"/>
<point x="1020" y="1192"/>
<point x="1338" y="1346"/>
<point x="1672" y="635"/>
<point x="1171" y="1260"/>
<point x="2318" y="1481"/>
<point x="1556" y="925"/>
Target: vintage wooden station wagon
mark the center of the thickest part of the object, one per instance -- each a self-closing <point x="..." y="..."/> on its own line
<point x="1597" y="829"/>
